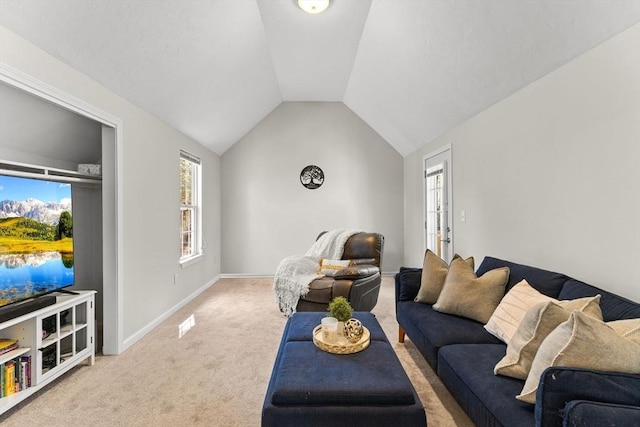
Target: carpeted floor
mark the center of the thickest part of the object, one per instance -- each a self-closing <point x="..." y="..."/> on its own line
<point x="215" y="375"/>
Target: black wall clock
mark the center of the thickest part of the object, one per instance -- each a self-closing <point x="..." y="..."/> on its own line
<point x="312" y="177"/>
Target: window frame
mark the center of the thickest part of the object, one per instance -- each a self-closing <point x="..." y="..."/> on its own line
<point x="195" y="207"/>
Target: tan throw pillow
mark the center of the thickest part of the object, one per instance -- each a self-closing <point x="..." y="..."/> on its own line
<point x="434" y="272"/>
<point x="464" y="294"/>
<point x="329" y="267"/>
<point x="582" y="342"/>
<point x="537" y="323"/>
<point x="628" y="328"/>
<point x="511" y="310"/>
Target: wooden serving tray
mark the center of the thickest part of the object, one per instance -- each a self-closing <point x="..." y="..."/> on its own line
<point x="342" y="345"/>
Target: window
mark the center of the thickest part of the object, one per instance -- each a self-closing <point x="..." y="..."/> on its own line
<point x="435" y="209"/>
<point x="438" y="214"/>
<point x="190" y="207"/>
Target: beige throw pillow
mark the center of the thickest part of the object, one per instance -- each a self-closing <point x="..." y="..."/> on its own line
<point x="329" y="267"/>
<point x="628" y="328"/>
<point x="582" y="342"/>
<point x="504" y="321"/>
<point x="464" y="294"/>
<point x="434" y="272"/>
<point x="538" y="322"/>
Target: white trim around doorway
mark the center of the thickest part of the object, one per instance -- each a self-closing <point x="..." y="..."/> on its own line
<point x="112" y="295"/>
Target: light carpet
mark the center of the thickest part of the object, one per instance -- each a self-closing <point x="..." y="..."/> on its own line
<point x="215" y="375"/>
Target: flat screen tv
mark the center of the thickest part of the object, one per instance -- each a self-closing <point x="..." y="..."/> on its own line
<point x="36" y="238"/>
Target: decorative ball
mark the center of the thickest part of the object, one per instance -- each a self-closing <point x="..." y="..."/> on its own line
<point x="353" y="330"/>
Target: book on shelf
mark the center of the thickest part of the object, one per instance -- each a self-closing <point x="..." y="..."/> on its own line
<point x="15" y="375"/>
<point x="9" y="378"/>
<point x="6" y="345"/>
<point x="25" y="372"/>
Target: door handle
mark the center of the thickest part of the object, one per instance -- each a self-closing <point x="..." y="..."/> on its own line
<point x="447" y="240"/>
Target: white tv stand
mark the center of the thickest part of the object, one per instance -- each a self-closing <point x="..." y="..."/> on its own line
<point x="57" y="338"/>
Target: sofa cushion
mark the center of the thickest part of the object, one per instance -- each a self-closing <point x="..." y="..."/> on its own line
<point x="536" y="325"/>
<point x="430" y="330"/>
<point x="434" y="273"/>
<point x="613" y="307"/>
<point x="408" y="283"/>
<point x="582" y="342"/>
<point x="506" y="318"/>
<point x="468" y="295"/>
<point x="547" y="282"/>
<point x="467" y="371"/>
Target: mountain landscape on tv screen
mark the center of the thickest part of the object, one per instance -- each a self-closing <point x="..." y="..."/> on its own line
<point x="45" y="212"/>
<point x="36" y="247"/>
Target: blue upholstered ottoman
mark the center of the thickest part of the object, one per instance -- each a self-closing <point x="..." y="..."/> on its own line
<point x="310" y="387"/>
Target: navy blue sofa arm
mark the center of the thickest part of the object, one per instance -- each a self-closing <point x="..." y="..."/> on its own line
<point x="595" y="414"/>
<point x="560" y="386"/>
<point x="408" y="283"/>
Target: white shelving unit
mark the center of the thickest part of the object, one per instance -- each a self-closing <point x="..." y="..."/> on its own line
<point x="57" y="338"/>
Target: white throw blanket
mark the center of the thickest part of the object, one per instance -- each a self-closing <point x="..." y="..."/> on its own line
<point x="295" y="273"/>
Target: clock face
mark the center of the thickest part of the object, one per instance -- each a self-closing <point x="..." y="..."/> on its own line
<point x="312" y="177"/>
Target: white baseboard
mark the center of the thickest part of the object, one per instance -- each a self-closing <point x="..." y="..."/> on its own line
<point x="149" y="327"/>
<point x="270" y="275"/>
<point x="246" y="276"/>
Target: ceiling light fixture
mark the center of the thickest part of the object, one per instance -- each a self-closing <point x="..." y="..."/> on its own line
<point x="313" y="6"/>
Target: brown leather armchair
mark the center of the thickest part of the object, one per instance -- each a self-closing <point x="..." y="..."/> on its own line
<point x="359" y="283"/>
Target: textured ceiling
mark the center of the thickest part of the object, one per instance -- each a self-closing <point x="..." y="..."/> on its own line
<point x="411" y="69"/>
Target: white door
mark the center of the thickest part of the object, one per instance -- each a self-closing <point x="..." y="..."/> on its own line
<point x="438" y="219"/>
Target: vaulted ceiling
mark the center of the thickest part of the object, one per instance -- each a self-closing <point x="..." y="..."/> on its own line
<point x="411" y="69"/>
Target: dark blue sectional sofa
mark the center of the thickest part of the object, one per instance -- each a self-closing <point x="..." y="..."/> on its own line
<point x="463" y="354"/>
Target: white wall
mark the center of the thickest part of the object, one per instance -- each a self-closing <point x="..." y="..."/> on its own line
<point x="266" y="212"/>
<point x="150" y="200"/>
<point x="550" y="176"/>
<point x="87" y="242"/>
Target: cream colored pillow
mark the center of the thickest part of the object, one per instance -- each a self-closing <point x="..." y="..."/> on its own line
<point x="582" y="342"/>
<point x="505" y="319"/>
<point x="628" y="328"/>
<point x="434" y="272"/>
<point x="464" y="294"/>
<point x="538" y="322"/>
<point x="329" y="267"/>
